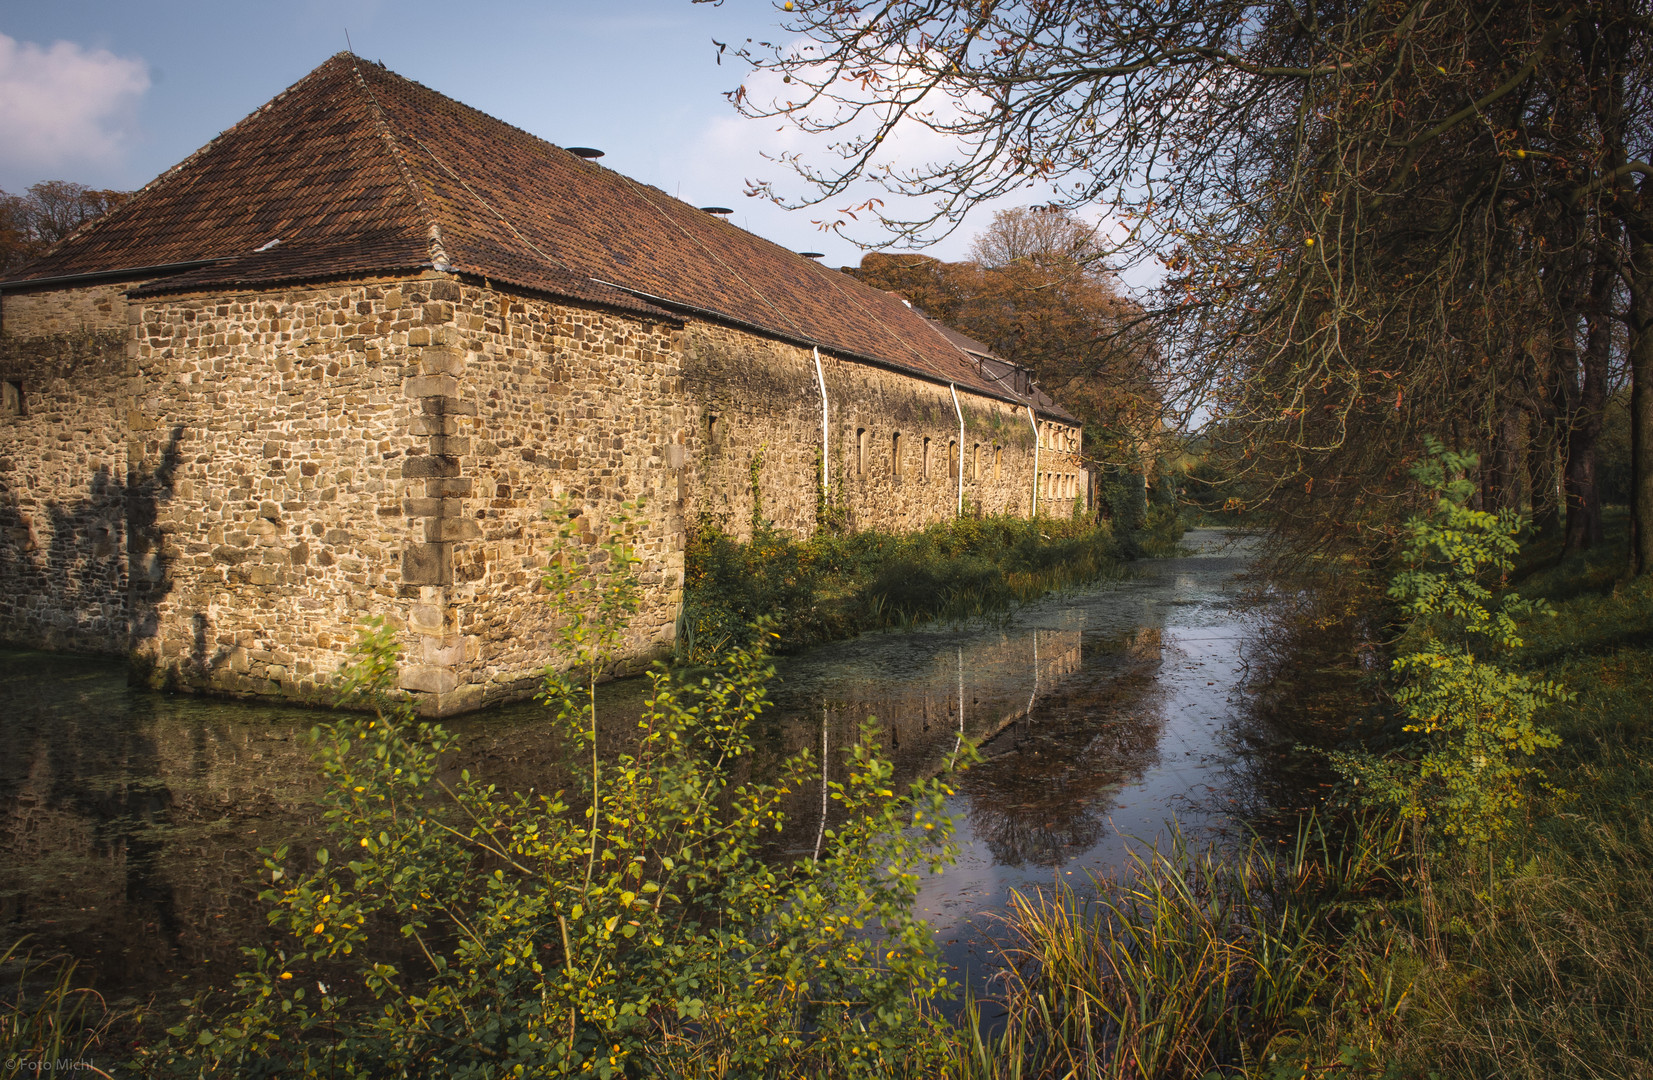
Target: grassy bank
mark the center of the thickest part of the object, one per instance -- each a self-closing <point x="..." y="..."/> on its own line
<point x="1390" y="942"/>
<point x="1537" y="959"/>
<point x="835" y="585"/>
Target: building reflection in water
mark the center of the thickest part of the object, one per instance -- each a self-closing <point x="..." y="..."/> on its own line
<point x="130" y="822"/>
<point x="1061" y="717"/>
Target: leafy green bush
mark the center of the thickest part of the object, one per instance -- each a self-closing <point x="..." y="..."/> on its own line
<point x="1544" y="970"/>
<point x="836" y="585"/>
<point x="1476" y="718"/>
<point x="638" y="926"/>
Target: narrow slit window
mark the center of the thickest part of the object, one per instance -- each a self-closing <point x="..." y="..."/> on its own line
<point x="11" y="398"/>
<point x="924" y="459"/>
<point x="860" y="451"/>
<point x="998" y="462"/>
<point x="895" y="454"/>
<point x="952" y="460"/>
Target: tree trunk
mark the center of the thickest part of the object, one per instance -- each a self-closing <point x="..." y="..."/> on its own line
<point x="1641" y="385"/>
<point x="1582" y="490"/>
<point x="1543" y="434"/>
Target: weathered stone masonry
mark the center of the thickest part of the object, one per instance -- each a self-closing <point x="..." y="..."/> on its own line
<point x="280" y="465"/>
<point x="759" y="396"/>
<point x="64" y="487"/>
<point x="366" y="352"/>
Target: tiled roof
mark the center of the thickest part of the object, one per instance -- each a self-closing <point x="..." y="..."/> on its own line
<point x="355" y="169"/>
<point x="1004" y="372"/>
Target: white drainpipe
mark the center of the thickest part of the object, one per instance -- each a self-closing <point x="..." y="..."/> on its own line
<point x="1035" y="425"/>
<point x="820" y="379"/>
<point x="960" y="411"/>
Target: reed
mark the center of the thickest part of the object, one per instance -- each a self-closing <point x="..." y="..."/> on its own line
<point x="47" y="1022"/>
<point x="1184" y="963"/>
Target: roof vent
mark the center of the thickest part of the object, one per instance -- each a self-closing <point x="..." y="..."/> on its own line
<point x="813" y="254"/>
<point x="719" y="210"/>
<point x="590" y="153"/>
<point x="268" y="246"/>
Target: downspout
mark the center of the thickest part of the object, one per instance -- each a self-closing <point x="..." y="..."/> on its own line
<point x="1035" y="425"/>
<point x="820" y="380"/>
<point x="960" y="411"/>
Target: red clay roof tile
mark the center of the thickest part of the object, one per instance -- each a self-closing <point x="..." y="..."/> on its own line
<point x="355" y="169"/>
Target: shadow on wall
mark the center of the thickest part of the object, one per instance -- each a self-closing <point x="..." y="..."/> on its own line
<point x="149" y="574"/>
<point x="95" y="582"/>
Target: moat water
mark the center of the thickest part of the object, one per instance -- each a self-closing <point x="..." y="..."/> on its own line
<point x="130" y="821"/>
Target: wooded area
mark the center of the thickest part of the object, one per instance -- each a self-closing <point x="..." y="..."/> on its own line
<point x="1379" y="221"/>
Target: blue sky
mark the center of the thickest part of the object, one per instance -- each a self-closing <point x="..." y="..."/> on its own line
<point x="110" y="94"/>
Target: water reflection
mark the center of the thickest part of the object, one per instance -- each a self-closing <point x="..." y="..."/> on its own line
<point x="130" y="821"/>
<point x="1034" y="800"/>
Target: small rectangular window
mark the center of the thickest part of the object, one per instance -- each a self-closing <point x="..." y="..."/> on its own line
<point x="860" y="451"/>
<point x="952" y="460"/>
<point x="11" y="398"/>
<point x="924" y="460"/>
<point x="998" y="462"/>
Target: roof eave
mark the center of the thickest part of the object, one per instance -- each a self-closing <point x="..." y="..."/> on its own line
<point x="809" y="343"/>
<point x="129" y="273"/>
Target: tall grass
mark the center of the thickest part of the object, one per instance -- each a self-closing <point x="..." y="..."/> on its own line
<point x="47" y="1022"/>
<point x="1534" y="957"/>
<point x="1183" y="963"/>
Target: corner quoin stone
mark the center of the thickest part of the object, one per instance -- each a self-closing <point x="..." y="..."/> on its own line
<point x="427" y="564"/>
<point x="430" y="680"/>
<point x="426" y="465"/>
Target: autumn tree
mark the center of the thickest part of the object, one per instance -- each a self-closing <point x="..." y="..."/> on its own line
<point x="1038" y="292"/>
<point x="49" y="211"/>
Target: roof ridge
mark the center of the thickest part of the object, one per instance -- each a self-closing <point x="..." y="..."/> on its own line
<point x="438" y="250"/>
<point x="494" y="210"/>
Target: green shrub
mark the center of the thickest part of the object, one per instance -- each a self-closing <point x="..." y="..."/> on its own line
<point x="637" y="925"/>
<point x="836" y="584"/>
<point x="1475" y="719"/>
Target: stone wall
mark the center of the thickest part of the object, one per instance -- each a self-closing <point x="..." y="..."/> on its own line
<point x="63" y="492"/>
<point x="393" y="449"/>
<point x="567" y="414"/>
<point x="42" y="312"/>
<point x="753" y="395"/>
<point x="1064" y="484"/>
<point x="294" y="461"/>
<point x="277" y="428"/>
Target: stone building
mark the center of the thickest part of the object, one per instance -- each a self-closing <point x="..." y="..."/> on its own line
<point x="341" y="361"/>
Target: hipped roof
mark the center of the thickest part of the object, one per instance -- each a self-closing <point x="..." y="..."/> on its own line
<point x="356" y="170"/>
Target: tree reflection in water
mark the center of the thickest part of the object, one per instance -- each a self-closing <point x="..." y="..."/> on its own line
<point x="130" y="821"/>
<point x="1036" y="798"/>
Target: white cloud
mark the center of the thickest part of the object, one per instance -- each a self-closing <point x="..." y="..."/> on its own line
<point x="65" y="105"/>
